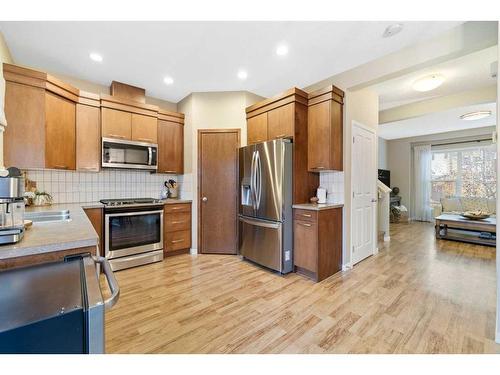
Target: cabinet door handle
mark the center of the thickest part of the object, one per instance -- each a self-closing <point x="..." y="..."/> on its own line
<point x="176" y="241"/>
<point x="60" y="166"/>
<point x="117" y="136"/>
<point x="89" y="169"/>
<point x="178" y="222"/>
<point x="304" y="224"/>
<point x="306" y="215"/>
<point x="145" y="140"/>
<point x="319" y="167"/>
<point x="280" y="136"/>
<point x="169" y="172"/>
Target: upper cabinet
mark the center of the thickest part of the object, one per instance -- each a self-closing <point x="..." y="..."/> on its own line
<point x="280" y="122"/>
<point x="41" y="118"/>
<point x="56" y="126"/>
<point x="285" y="116"/>
<point x="116" y="124"/>
<point x="257" y="129"/>
<point x="144" y="128"/>
<point x="325" y="129"/>
<point x="88" y="132"/>
<point x="170" y="142"/>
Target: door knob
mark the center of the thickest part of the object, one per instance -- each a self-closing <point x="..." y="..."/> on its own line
<point x="204" y="199"/>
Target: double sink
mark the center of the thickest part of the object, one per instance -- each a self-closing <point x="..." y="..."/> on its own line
<point x="48" y="216"/>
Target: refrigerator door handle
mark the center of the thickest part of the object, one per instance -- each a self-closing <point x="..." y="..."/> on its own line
<point x="260" y="223"/>
<point x="258" y="167"/>
<point x="252" y="180"/>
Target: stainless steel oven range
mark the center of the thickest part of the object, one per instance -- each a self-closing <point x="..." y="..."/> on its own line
<point x="133" y="232"/>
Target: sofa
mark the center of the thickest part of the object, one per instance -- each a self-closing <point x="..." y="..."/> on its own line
<point x="458" y="205"/>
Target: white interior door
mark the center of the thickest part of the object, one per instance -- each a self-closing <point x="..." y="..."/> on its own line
<point x="364" y="193"/>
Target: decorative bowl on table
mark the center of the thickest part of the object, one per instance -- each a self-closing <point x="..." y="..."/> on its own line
<point x="476" y="215"/>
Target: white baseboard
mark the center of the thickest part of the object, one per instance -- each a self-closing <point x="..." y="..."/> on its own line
<point x="347" y="267"/>
<point x="387" y="238"/>
<point x="193" y="251"/>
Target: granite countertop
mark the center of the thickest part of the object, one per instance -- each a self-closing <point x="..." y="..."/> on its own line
<point x="60" y="235"/>
<point x="317" y="206"/>
<point x="55" y="236"/>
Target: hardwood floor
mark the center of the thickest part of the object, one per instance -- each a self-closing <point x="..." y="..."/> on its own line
<point x="416" y="296"/>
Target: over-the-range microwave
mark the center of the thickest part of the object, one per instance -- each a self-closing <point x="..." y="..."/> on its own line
<point x="120" y="153"/>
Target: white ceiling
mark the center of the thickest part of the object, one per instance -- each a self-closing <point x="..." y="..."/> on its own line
<point x="462" y="74"/>
<point x="205" y="56"/>
<point x="438" y="122"/>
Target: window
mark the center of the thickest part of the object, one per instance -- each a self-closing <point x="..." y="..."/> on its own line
<point x="463" y="171"/>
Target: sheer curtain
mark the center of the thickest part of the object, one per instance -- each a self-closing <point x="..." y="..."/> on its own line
<point x="422" y="158"/>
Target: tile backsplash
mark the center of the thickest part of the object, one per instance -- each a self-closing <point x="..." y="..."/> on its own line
<point x="334" y="184"/>
<point x="74" y="187"/>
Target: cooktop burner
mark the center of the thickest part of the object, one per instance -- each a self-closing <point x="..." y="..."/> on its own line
<point x="130" y="202"/>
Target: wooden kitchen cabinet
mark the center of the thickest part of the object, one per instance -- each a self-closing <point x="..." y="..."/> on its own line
<point x="96" y="218"/>
<point x="325" y="129"/>
<point x="144" y="128"/>
<point x="280" y="122"/>
<point x="60" y="128"/>
<point x="285" y="116"/>
<point x="88" y="133"/>
<point x="41" y="117"/>
<point x="318" y="242"/>
<point x="171" y="147"/>
<point x="116" y="123"/>
<point x="170" y="142"/>
<point x="177" y="228"/>
<point x="257" y="129"/>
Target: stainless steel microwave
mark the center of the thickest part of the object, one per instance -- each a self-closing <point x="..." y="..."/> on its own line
<point x="119" y="153"/>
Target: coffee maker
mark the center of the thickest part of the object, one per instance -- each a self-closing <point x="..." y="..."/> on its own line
<point x="11" y="207"/>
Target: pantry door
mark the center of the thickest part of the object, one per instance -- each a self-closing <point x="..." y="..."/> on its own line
<point x="218" y="191"/>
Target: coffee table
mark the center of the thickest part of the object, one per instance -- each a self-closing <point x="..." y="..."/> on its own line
<point x="458" y="228"/>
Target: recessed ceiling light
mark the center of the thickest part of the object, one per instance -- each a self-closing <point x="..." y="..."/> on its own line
<point x="428" y="83"/>
<point x="95" y="57"/>
<point x="392" y="30"/>
<point x="282" y="50"/>
<point x="477" y="115"/>
<point x="168" y="80"/>
<point x="242" y="74"/>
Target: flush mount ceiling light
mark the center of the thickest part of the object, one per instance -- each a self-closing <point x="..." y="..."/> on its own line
<point x="95" y="57"/>
<point x="168" y="80"/>
<point x="476" y="115"/>
<point x="428" y="83"/>
<point x="392" y="30"/>
<point x="282" y="50"/>
<point x="242" y="74"/>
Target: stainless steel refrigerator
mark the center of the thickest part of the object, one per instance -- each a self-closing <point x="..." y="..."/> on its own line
<point x="265" y="209"/>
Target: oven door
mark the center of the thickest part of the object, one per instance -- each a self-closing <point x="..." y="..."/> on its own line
<point x="129" y="154"/>
<point x="128" y="233"/>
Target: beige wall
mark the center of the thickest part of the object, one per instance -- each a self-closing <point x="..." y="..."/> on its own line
<point x="399" y="157"/>
<point x="210" y="110"/>
<point x="360" y="106"/>
<point x="4" y="57"/>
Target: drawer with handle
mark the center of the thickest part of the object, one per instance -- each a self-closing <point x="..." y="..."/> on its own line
<point x="178" y="240"/>
<point x="177" y="221"/>
<point x="177" y="207"/>
<point x="306" y="215"/>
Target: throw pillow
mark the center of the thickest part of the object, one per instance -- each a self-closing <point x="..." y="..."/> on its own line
<point x="451" y="204"/>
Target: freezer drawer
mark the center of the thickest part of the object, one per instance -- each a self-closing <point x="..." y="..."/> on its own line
<point x="262" y="242"/>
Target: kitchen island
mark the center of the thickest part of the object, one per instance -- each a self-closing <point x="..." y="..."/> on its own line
<point x="51" y="241"/>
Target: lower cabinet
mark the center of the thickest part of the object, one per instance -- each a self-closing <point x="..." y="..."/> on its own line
<point x="318" y="242"/>
<point x="96" y="218"/>
<point x="176" y="228"/>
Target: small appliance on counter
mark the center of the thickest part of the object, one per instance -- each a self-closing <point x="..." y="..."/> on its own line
<point x="321" y="194"/>
<point x="55" y="308"/>
<point x="11" y="207"/>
